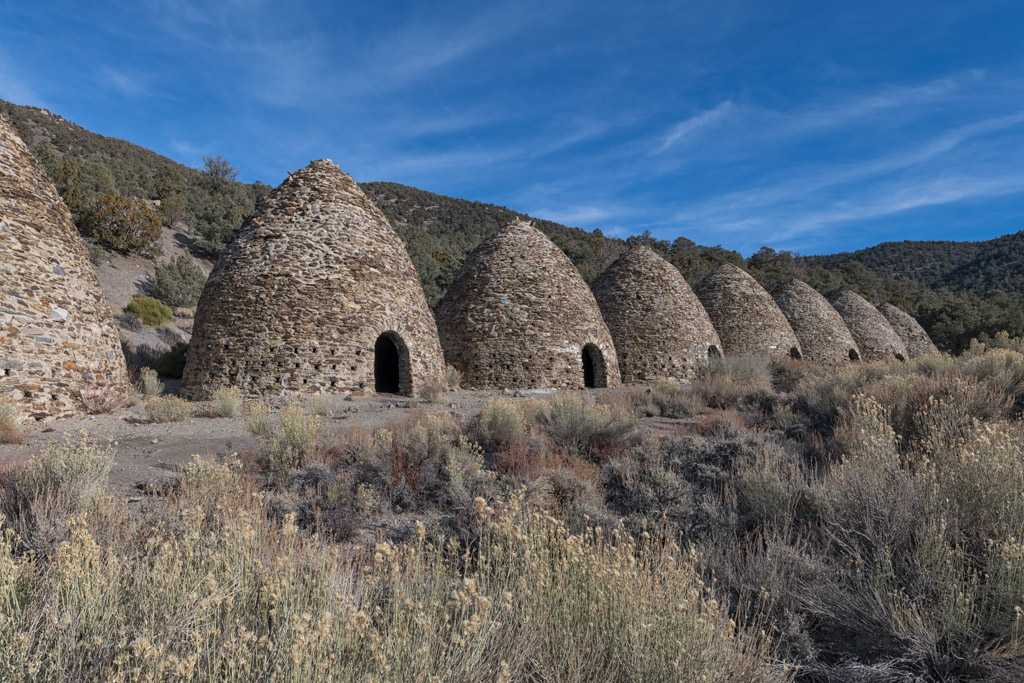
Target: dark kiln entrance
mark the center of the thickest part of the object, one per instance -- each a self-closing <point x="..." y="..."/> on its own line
<point x="390" y="365"/>
<point x="595" y="374"/>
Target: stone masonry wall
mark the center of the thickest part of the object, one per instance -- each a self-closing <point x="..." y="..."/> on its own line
<point x="914" y="337"/>
<point x="59" y="348"/>
<point x="745" y="316"/>
<point x="659" y="327"/>
<point x="302" y="293"/>
<point x="519" y="316"/>
<point x="824" y="337"/>
<point x="873" y="333"/>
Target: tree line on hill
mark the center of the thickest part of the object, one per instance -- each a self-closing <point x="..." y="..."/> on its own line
<point x="122" y="196"/>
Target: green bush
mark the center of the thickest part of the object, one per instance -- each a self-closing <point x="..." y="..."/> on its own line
<point x="178" y="282"/>
<point x="124" y="224"/>
<point x="150" y="311"/>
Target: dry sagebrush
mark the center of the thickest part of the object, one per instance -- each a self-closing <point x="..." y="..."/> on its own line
<point x="208" y="588"/>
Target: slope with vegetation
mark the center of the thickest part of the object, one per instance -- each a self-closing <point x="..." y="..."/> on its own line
<point x="959" y="290"/>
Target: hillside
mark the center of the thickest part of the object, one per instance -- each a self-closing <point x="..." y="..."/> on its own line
<point x="995" y="265"/>
<point x="959" y="290"/>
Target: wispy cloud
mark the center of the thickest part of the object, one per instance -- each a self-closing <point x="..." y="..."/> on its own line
<point x="131" y="85"/>
<point x="801" y="185"/>
<point x="290" y="60"/>
<point x="904" y="196"/>
<point x="688" y="128"/>
<point x="865" y="105"/>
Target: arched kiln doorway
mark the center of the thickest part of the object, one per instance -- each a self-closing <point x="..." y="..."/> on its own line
<point x="391" y="365"/>
<point x="595" y="372"/>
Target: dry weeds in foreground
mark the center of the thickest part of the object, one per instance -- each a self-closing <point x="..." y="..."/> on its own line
<point x="207" y="587"/>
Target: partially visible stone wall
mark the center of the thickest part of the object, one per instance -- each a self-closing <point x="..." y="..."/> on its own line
<point x="301" y="294"/>
<point x="659" y="327"/>
<point x="914" y="337"/>
<point x="872" y="332"/>
<point x="519" y="316"/>
<point x="824" y="337"/>
<point x="59" y="347"/>
<point x="745" y="316"/>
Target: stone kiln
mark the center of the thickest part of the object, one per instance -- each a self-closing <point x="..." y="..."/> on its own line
<point x="914" y="337"/>
<point x="59" y="347"/>
<point x="824" y="337"/>
<point x="659" y="327"/>
<point x="520" y="316"/>
<point x="316" y="293"/>
<point x="872" y="332"/>
<point x="746" y="317"/>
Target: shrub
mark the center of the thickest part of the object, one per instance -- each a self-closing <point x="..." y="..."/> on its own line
<point x="433" y="390"/>
<point x="75" y="471"/>
<point x="124" y="224"/>
<point x="535" y="602"/>
<point x="10" y="423"/>
<point x="730" y="380"/>
<point x="178" y="282"/>
<point x="294" y="440"/>
<point x="321" y="405"/>
<point x="226" y="402"/>
<point x="162" y="409"/>
<point x="500" y="425"/>
<point x="452" y="377"/>
<point x="668" y="399"/>
<point x="149" y="382"/>
<point x="150" y="311"/>
<point x="642" y="489"/>
<point x="257" y="419"/>
<point x="581" y="429"/>
<point x="100" y="401"/>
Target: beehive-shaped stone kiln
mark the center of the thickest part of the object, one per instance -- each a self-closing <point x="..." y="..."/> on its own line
<point x="914" y="337"/>
<point x="747" y="319"/>
<point x="59" y="347"/>
<point x="520" y="316"/>
<point x="316" y="293"/>
<point x="824" y="337"/>
<point x="874" y="335"/>
<point x="658" y="324"/>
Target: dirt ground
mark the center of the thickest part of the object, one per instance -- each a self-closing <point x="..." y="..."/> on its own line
<point x="148" y="455"/>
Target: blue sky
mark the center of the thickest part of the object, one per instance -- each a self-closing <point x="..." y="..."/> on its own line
<point x="810" y="126"/>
